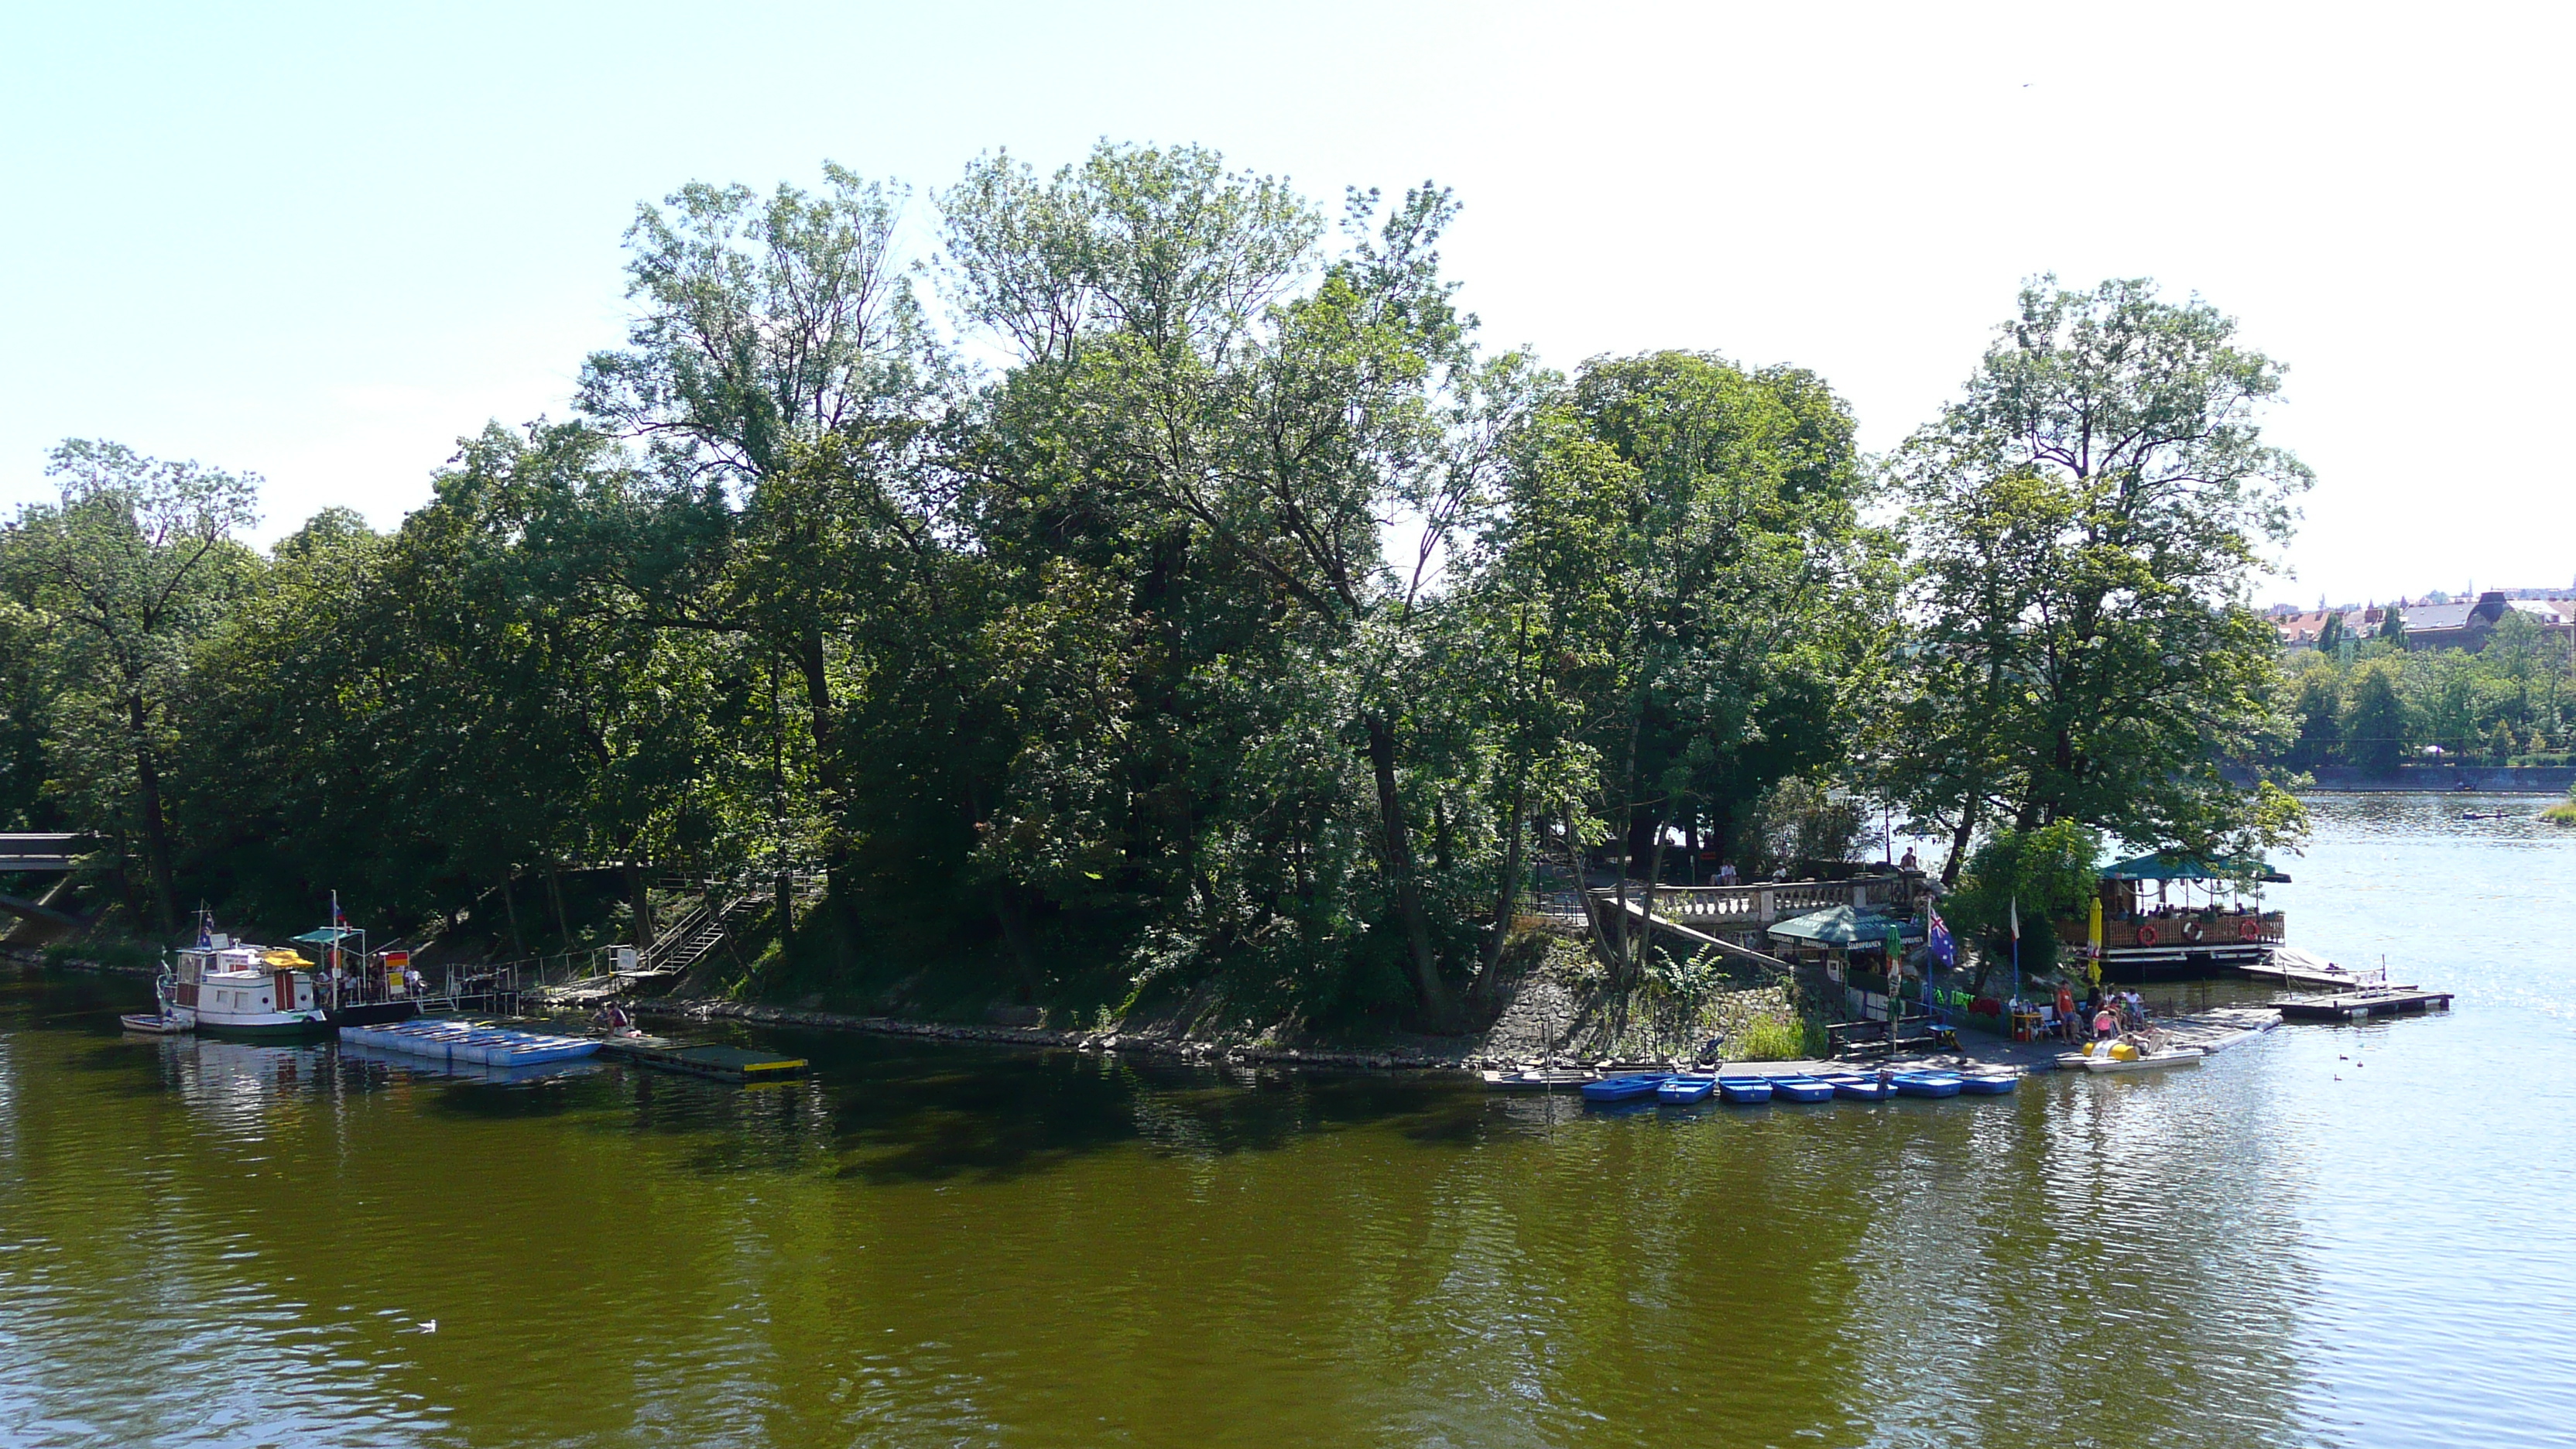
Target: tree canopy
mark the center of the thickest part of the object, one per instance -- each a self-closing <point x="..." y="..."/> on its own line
<point x="1156" y="589"/>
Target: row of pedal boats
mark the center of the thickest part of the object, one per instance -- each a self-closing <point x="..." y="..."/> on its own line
<point x="1683" y="1088"/>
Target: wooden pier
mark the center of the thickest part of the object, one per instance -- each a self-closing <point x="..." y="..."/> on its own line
<point x="2355" y="1005"/>
<point x="703" y="1059"/>
<point x="2308" y="979"/>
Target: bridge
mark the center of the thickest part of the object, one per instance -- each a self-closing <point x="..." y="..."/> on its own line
<point x="35" y="853"/>
<point x="22" y="852"/>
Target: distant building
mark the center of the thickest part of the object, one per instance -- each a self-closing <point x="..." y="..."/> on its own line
<point x="2466" y="626"/>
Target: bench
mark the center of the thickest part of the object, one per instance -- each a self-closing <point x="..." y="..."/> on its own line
<point x="1863" y="1039"/>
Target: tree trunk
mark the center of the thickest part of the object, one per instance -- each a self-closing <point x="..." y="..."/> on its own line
<point x="1504" y="896"/>
<point x="1654" y="886"/>
<point x="1959" y="841"/>
<point x="554" y="894"/>
<point x="641" y="902"/>
<point x="1012" y="913"/>
<point x="1397" y="848"/>
<point x="510" y="907"/>
<point x="813" y="662"/>
<point x="156" y="830"/>
<point x="1601" y="942"/>
<point x="786" y="901"/>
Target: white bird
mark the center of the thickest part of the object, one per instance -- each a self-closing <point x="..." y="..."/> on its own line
<point x="429" y="1325"/>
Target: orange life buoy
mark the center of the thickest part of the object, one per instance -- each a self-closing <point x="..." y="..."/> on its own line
<point x="2250" y="929"/>
<point x="2146" y="933"/>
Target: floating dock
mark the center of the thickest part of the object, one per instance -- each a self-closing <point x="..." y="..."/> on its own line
<point x="2310" y="979"/>
<point x="703" y="1059"/>
<point x="473" y="1043"/>
<point x="2355" y="1005"/>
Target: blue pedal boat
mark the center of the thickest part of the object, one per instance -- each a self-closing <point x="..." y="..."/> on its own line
<point x="1989" y="1084"/>
<point x="1855" y="1087"/>
<point x="1928" y="1084"/>
<point x="1745" y="1089"/>
<point x="1802" y="1089"/>
<point x="1686" y="1088"/>
<point x="1622" y="1089"/>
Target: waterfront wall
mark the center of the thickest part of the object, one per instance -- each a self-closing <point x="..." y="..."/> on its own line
<point x="2496" y="779"/>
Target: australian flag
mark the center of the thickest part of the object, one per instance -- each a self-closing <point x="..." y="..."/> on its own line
<point x="1937" y="942"/>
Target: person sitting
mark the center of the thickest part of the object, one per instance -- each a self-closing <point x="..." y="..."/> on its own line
<point x="1726" y="872"/>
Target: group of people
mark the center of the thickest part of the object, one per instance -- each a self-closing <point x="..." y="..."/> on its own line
<point x="2102" y="1017"/>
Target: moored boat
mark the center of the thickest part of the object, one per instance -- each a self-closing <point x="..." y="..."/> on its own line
<point x="1686" y="1088"/>
<point x="1927" y="1084"/>
<point x="1856" y="1087"/>
<point x="1537" y="1079"/>
<point x="233" y="988"/>
<point x="152" y="1023"/>
<point x="2141" y="1062"/>
<point x="1745" y="1090"/>
<point x="1623" y="1089"/>
<point x="1801" y="1088"/>
<point x="1989" y="1084"/>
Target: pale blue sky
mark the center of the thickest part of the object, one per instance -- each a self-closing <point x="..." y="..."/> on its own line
<point x="321" y="241"/>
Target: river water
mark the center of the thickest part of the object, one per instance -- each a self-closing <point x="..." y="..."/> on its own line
<point x="2361" y="1236"/>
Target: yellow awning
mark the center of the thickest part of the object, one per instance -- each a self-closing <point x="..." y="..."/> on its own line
<point x="283" y="958"/>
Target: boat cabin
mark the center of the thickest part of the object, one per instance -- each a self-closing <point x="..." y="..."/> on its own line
<point x="225" y="984"/>
<point x="2175" y="915"/>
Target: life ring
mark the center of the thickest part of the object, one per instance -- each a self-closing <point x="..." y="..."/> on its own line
<point x="2146" y="933"/>
<point x="2191" y="929"/>
<point x="2250" y="929"/>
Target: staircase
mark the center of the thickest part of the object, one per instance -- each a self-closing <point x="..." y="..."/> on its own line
<point x="698" y="934"/>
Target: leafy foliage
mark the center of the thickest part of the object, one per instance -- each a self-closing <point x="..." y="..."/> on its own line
<point x="1245" y="642"/>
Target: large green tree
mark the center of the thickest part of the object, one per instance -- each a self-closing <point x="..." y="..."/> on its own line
<point x="134" y="563"/>
<point x="2088" y="519"/>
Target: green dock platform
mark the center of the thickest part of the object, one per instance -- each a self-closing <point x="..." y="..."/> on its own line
<point x="703" y="1059"/>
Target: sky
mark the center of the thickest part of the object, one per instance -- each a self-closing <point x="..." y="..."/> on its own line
<point x="321" y="242"/>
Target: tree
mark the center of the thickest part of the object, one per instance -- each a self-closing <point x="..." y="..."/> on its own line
<point x="2330" y="634"/>
<point x="133" y="565"/>
<point x="2318" y="709"/>
<point x="2106" y="456"/>
<point x="765" y="329"/>
<point x="2392" y="628"/>
<point x="2044" y="876"/>
<point x="2375" y="733"/>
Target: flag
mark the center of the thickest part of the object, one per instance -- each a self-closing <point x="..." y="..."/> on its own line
<point x="2016" y="917"/>
<point x="1936" y="940"/>
<point x="2094" y="931"/>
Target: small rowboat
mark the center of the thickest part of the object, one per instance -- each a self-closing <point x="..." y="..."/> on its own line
<point x="152" y="1023"/>
<point x="1928" y="1084"/>
<point x="1989" y="1084"/>
<point x="1538" y="1079"/>
<point x="1745" y="1089"/>
<point x="1686" y="1089"/>
<point x="2151" y="1062"/>
<point x="1623" y="1089"/>
<point x="1858" y="1088"/>
<point x="1802" y="1089"/>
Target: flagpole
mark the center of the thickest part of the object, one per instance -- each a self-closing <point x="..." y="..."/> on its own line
<point x="2016" y="930"/>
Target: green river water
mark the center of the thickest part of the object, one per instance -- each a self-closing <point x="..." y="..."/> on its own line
<point x="2359" y="1236"/>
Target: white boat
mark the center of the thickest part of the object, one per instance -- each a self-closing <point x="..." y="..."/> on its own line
<point x="2144" y="1062"/>
<point x="1537" y="1080"/>
<point x="238" y="989"/>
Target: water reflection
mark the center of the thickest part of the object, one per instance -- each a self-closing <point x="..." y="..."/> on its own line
<point x="929" y="1244"/>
